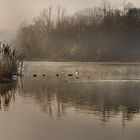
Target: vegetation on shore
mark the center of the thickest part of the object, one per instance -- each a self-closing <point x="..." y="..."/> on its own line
<point x="93" y="34"/>
<point x="11" y="63"/>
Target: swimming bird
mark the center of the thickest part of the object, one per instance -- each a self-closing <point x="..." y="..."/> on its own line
<point x="34" y="75"/>
<point x="77" y="72"/>
<point x="14" y="77"/>
<point x="70" y="74"/>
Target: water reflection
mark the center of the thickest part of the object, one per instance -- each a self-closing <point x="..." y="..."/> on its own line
<point x="7" y="94"/>
<point x="57" y="96"/>
<point x="103" y="100"/>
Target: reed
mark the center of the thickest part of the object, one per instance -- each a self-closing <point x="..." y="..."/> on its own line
<point x="11" y="63"/>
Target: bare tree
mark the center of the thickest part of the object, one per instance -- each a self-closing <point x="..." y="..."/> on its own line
<point x="60" y="14"/>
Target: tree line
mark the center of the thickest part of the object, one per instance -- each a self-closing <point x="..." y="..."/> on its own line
<point x="101" y="33"/>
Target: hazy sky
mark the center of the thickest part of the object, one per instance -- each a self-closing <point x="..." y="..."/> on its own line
<point x="13" y="12"/>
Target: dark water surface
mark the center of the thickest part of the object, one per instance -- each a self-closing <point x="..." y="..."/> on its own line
<point x="53" y="102"/>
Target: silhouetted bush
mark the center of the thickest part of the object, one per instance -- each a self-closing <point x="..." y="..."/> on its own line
<point x="10" y="62"/>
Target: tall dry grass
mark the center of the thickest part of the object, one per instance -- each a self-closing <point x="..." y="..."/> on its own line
<point x="5" y="72"/>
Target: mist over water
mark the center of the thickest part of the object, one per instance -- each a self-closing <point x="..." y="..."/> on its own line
<point x="92" y="92"/>
<point x="53" y="105"/>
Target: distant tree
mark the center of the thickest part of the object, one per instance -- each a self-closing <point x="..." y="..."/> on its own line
<point x="94" y="34"/>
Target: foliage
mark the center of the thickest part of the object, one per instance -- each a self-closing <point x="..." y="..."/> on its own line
<point x="10" y="62"/>
<point x="93" y="34"/>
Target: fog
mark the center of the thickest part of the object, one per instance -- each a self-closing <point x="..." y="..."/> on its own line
<point x="14" y="12"/>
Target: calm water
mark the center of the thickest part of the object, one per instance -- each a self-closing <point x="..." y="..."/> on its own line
<point x="102" y="102"/>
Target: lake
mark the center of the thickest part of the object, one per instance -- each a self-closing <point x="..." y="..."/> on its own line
<point x="72" y="101"/>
